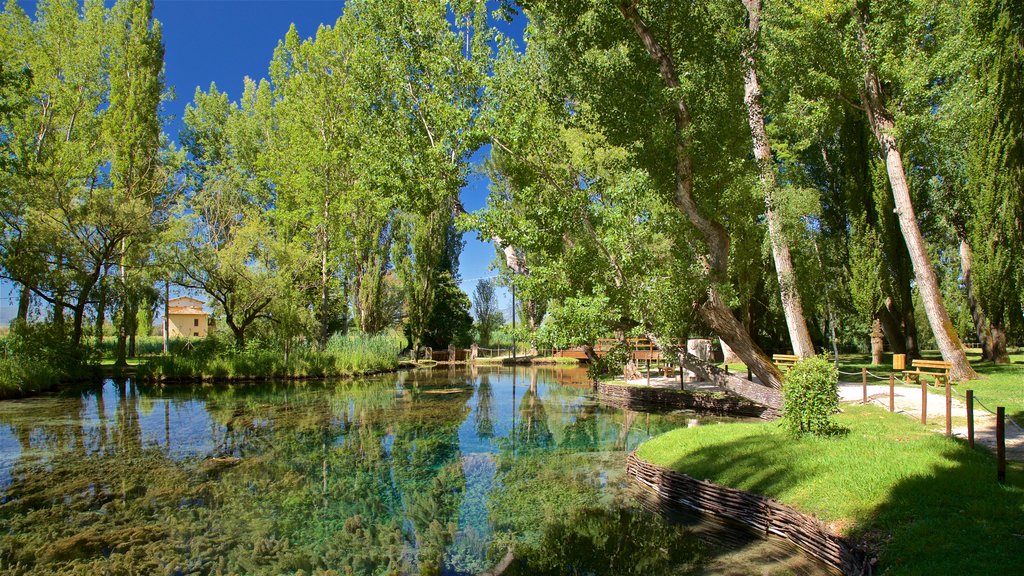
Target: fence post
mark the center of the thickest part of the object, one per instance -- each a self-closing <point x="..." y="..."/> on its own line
<point x="892" y="392"/>
<point x="864" y="384"/>
<point x="949" y="410"/>
<point x="1001" y="444"/>
<point x="750" y="375"/>
<point x="924" y="401"/>
<point x="970" y="418"/>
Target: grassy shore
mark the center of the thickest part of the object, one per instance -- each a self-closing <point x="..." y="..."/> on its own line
<point x="926" y="504"/>
<point x="344" y="355"/>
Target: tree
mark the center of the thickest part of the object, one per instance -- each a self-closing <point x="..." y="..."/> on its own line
<point x="993" y="238"/>
<point x="223" y="244"/>
<point x="485" y="308"/>
<point x="87" y="178"/>
<point x="792" y="305"/>
<point x="642" y="103"/>
<point x="449" y="322"/>
<point x="883" y="126"/>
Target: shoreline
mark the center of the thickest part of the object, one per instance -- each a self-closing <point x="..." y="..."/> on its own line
<point x="766" y="516"/>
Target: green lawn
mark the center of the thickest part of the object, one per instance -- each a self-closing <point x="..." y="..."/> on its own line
<point x="929" y="504"/>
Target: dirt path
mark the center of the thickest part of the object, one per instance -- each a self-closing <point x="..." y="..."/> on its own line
<point x="908" y="401"/>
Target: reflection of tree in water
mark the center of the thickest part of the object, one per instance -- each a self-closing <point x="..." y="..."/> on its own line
<point x="428" y="471"/>
<point x="484" y="405"/>
<point x="601" y="541"/>
<point x="299" y="479"/>
<point x="581" y="435"/>
<point x="531" y="430"/>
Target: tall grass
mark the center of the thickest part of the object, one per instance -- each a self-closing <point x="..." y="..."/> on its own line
<point x="216" y="358"/>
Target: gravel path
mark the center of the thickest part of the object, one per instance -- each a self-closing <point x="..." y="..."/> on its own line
<point x="908" y="401"/>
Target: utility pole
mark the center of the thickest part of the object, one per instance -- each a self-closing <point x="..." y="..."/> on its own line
<point x="513" y="323"/>
<point x="167" y="318"/>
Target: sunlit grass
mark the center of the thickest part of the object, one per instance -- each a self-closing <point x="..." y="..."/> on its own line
<point x="926" y="501"/>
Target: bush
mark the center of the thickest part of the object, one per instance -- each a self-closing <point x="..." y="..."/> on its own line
<point x="38" y="357"/>
<point x="811" y="396"/>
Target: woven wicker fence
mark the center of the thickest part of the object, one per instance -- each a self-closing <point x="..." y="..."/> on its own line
<point x="661" y="399"/>
<point x="764" y="515"/>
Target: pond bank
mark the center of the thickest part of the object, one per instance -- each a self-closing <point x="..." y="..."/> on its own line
<point x="917" y="501"/>
<point x="652" y="398"/>
<point x="766" y="516"/>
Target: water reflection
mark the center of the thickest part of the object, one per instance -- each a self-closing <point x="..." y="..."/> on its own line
<point x="424" y="472"/>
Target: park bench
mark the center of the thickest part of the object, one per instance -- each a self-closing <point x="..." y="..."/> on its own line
<point x="937" y="369"/>
<point x="785" y="361"/>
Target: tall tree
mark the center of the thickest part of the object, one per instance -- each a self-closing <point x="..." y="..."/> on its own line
<point x="792" y="305"/>
<point x="873" y="46"/>
<point x="485" y="308"/>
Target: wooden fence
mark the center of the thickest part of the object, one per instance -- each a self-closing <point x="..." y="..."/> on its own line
<point x="764" y="515"/>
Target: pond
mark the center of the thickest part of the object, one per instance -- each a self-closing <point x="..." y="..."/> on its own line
<point x="431" y="472"/>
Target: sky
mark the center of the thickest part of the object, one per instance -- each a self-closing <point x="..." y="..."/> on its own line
<point x="223" y="41"/>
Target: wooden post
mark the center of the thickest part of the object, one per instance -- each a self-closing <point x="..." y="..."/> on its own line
<point x="924" y="401"/>
<point x="1001" y="444"/>
<point x="949" y="411"/>
<point x="727" y="368"/>
<point x="750" y="375"/>
<point x="892" y="392"/>
<point x="970" y="418"/>
<point x="648" y="369"/>
<point x="864" y="384"/>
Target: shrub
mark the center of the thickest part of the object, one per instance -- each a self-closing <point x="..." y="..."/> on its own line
<point x="38" y="357"/>
<point x="811" y="396"/>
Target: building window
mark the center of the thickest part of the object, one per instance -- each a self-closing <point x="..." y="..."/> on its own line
<point x="195" y="321"/>
<point x="196" y="334"/>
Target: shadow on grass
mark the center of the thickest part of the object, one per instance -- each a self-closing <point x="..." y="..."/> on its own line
<point x="953" y="519"/>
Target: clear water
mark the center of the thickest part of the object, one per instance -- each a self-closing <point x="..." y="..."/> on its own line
<point x="423" y="472"/>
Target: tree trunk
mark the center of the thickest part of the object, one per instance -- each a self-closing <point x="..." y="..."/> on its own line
<point x="882" y="125"/>
<point x="101" y="313"/>
<point x="888" y="318"/>
<point x="237" y="331"/>
<point x="724" y="324"/>
<point x="122" y="338"/>
<point x="78" y="318"/>
<point x="58" y="310"/>
<point x="630" y="370"/>
<point x="24" y="301"/>
<point x="981" y="324"/>
<point x="999" y="352"/>
<point x="324" y="301"/>
<point x="877" y="344"/>
<point x="910" y="332"/>
<point x="132" y="326"/>
<point x="792" y="305"/>
<point x="716" y="238"/>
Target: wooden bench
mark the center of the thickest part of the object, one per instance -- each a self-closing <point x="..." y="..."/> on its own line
<point x="938" y="369"/>
<point x="785" y="361"/>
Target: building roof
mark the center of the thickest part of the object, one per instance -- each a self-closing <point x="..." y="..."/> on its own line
<point x="182" y="299"/>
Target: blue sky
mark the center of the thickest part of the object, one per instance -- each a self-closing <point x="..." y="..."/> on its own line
<point x="223" y="41"/>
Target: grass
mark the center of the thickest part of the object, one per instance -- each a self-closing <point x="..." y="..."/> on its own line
<point x="926" y="503"/>
<point x="213" y="359"/>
